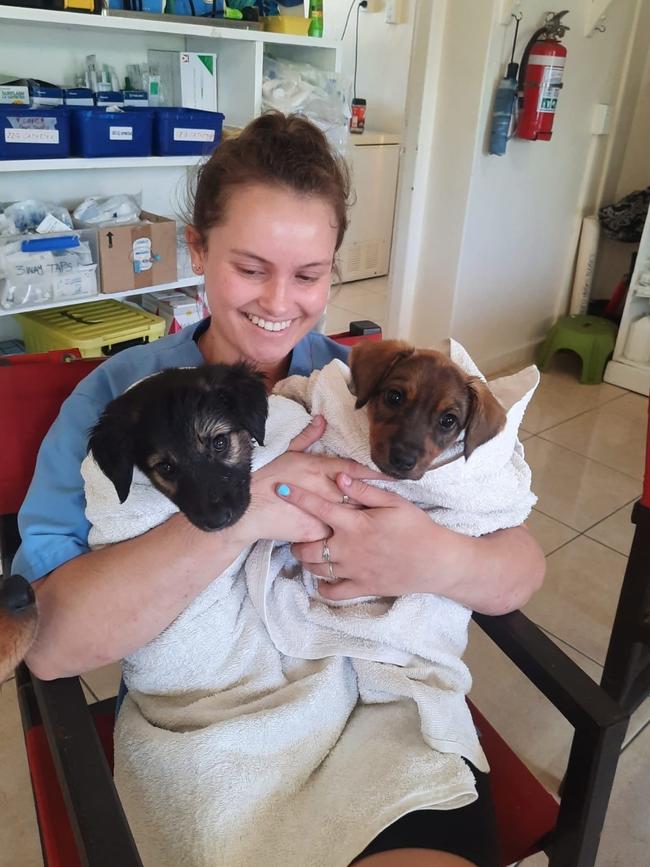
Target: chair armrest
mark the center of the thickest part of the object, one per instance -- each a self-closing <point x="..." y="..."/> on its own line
<point x="581" y="701"/>
<point x="96" y="815"/>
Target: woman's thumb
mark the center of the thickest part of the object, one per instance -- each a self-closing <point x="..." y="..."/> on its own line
<point x="307" y="437"/>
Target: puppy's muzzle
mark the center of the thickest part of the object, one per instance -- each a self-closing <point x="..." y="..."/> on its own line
<point x="403" y="457"/>
<point x="16" y="594"/>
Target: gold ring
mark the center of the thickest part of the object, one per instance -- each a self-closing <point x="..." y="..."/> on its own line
<point x="326" y="552"/>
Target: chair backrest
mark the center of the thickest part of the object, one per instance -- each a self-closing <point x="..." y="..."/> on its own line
<point x="626" y="675"/>
<point x="32" y="389"/>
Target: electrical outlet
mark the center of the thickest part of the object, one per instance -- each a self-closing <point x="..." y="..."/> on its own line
<point x="393" y="11"/>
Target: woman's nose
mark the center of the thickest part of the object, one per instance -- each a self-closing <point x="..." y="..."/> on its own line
<point x="275" y="298"/>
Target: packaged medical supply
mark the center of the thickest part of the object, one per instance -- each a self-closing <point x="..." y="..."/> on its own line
<point x="187" y="78"/>
<point x="99" y="211"/>
<point x="30" y="215"/>
<point x="139" y="254"/>
<point x="42" y="269"/>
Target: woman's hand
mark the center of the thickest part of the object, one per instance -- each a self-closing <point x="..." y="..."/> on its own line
<point x="269" y="517"/>
<point x="391" y="547"/>
<point x="380" y="550"/>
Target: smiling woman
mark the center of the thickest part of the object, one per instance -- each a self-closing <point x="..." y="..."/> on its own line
<point x="268" y="219"/>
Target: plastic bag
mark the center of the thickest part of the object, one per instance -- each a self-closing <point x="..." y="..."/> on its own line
<point x="624" y="220"/>
<point x="20" y="218"/>
<point x="322" y="96"/>
<point x="111" y="211"/>
<point x="47" y="268"/>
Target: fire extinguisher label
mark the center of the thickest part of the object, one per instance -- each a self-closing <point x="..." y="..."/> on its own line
<point x="549" y="86"/>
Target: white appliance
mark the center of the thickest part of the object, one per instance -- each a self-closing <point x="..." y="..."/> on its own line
<point x="630" y="365"/>
<point x="374" y="163"/>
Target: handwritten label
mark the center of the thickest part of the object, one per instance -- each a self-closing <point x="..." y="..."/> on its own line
<point x="32" y="136"/>
<point x="183" y="134"/>
<point x="121" y="133"/>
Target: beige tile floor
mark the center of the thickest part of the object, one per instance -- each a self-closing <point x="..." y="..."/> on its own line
<point x="585" y="447"/>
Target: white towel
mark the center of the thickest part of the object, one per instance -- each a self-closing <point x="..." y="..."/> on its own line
<point x="264" y="719"/>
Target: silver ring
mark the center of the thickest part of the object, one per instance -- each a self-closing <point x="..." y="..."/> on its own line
<point x="331" y="571"/>
<point x="326" y="552"/>
<point x="345" y="500"/>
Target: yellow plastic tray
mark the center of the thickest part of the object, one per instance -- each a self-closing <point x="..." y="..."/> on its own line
<point x="97" y="328"/>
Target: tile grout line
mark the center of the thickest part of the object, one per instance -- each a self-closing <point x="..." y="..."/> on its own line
<point x="587" y="458"/>
<point x="89" y="688"/>
<point x="568" y="644"/>
<point x="632" y="739"/>
<point x="577" y="415"/>
<point x="624" y="506"/>
<point x="599" y="521"/>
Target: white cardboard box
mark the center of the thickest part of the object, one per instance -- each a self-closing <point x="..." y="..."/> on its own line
<point x="187" y="78"/>
<point x="176" y="308"/>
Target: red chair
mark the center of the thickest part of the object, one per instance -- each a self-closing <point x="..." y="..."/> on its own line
<point x="69" y="743"/>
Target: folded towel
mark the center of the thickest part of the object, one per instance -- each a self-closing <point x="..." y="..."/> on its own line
<point x="263" y="717"/>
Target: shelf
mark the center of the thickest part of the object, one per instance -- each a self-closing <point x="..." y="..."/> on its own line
<point x="150" y="25"/>
<point x="179" y="284"/>
<point x="74" y="163"/>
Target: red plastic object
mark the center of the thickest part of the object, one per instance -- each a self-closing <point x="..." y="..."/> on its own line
<point x="525" y="812"/>
<point x="35" y="386"/>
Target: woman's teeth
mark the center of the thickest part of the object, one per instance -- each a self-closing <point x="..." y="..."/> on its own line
<point x="266" y="325"/>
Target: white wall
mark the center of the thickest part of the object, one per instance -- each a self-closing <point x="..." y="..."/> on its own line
<point x="383" y="58"/>
<point x="500" y="233"/>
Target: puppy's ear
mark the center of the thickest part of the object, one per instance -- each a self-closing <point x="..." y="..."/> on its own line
<point x="249" y="400"/>
<point x="486" y="417"/>
<point x="371" y="361"/>
<point x="112" y="446"/>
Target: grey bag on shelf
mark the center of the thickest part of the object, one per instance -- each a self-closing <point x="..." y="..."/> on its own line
<point x="624" y="220"/>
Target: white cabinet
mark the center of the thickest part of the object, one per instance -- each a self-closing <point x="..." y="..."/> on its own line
<point x="50" y="45"/>
<point x="623" y="370"/>
<point x="374" y="163"/>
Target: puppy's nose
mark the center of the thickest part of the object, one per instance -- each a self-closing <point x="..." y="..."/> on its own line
<point x="16" y="593"/>
<point x="403" y="457"/>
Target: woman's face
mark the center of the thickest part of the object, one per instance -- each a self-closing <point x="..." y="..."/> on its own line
<point x="268" y="270"/>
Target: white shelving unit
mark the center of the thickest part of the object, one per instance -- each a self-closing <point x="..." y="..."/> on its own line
<point x="52" y="46"/>
<point x="634" y="375"/>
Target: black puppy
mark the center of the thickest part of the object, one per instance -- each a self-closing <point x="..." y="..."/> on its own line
<point x="189" y="431"/>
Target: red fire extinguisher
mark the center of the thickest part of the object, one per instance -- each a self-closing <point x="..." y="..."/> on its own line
<point x="540" y="80"/>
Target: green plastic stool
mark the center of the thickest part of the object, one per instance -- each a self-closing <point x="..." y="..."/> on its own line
<point x="590" y="337"/>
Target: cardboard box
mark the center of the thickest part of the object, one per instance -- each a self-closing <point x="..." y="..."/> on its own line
<point x="137" y="255"/>
<point x="188" y="79"/>
<point x="175" y="307"/>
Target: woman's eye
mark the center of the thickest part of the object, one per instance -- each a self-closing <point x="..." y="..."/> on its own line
<point x="220" y="443"/>
<point x="447" y="421"/>
<point x="393" y="397"/>
<point x="165" y="469"/>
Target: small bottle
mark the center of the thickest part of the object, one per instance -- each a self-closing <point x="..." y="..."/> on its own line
<point x="316" y="16"/>
<point x="358" y="118"/>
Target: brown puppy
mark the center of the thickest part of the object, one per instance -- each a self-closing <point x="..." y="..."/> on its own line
<point x="419" y="402"/>
<point x="18" y="620"/>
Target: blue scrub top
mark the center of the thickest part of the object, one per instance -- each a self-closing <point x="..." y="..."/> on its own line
<point x="52" y="520"/>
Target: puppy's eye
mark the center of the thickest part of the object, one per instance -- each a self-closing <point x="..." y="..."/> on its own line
<point x="220" y="443"/>
<point x="165" y="469"/>
<point x="447" y="421"/>
<point x="393" y="397"/>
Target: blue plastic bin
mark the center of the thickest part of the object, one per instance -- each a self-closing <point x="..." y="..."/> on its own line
<point x="100" y="133"/>
<point x="28" y="133"/>
<point x="183" y="132"/>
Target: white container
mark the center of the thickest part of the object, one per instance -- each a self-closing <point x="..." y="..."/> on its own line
<point x="637" y="345"/>
<point x="187" y="79"/>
